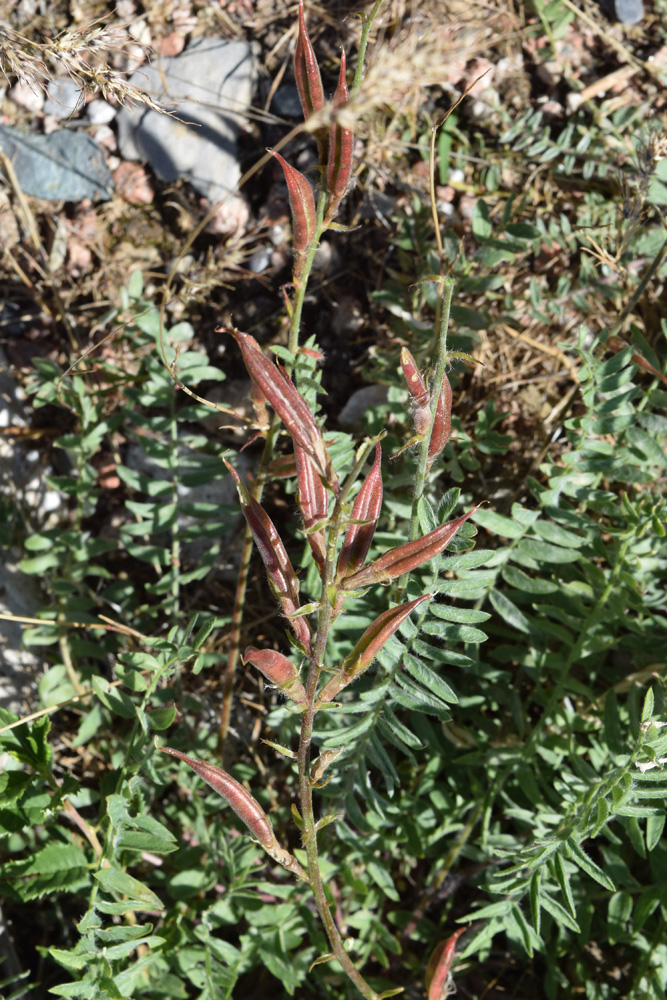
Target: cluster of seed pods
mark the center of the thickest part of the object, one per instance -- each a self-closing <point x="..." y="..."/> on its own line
<point x="335" y="145"/>
<point x="317" y="482"/>
<point x="440" y="425"/>
<point x="318" y="487"/>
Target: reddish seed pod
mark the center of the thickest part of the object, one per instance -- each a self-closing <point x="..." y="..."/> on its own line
<point x="288" y="403"/>
<point x="302" y="205"/>
<point x="366" y="508"/>
<point x="421" y="404"/>
<point x="442" y="424"/>
<point x="278" y="670"/>
<point x="406" y="557"/>
<point x="436" y="979"/>
<point x="313" y="503"/>
<point x="279" y="570"/>
<point x="244" y="805"/>
<point x="413" y="378"/>
<point x="309" y="81"/>
<point x="368" y="647"/>
<point x="341" y="148"/>
<point x="283" y="467"/>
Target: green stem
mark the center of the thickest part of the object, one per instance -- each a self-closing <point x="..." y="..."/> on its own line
<point x="234" y="651"/>
<point x="363" y="42"/>
<point x="175" y="537"/>
<point x="435" y="388"/>
<point x="325" y="620"/>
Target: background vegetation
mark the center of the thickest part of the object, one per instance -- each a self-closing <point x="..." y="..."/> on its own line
<point x="509" y="778"/>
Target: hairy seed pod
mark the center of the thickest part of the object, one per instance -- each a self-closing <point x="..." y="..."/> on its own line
<point x="341" y="148"/>
<point x="235" y="795"/>
<point x="368" y="647"/>
<point x="421" y="404"/>
<point x="279" y="570"/>
<point x="406" y="557"/>
<point x="244" y="805"/>
<point x="313" y="503"/>
<point x="309" y="81"/>
<point x="288" y="403"/>
<point x="436" y="978"/>
<point x="442" y="423"/>
<point x="366" y="509"/>
<point x="302" y="205"/>
<point x="278" y="670"/>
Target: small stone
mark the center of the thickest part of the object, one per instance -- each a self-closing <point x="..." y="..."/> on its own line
<point x="444" y="192"/>
<point x="100" y="112"/>
<point x="105" y="137"/>
<point x="132" y="184"/>
<point x="625" y="11"/>
<point x="172" y="44"/>
<point x="549" y="73"/>
<point x="286" y="103"/>
<point x="231" y="216"/>
<point x="63" y="97"/>
<point x="552" y="109"/>
<point x="260" y="260"/>
<point x="27" y="96"/>
<point x="467" y="206"/>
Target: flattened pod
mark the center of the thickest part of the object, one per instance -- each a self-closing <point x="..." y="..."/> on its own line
<point x="302" y="205"/>
<point x="442" y="425"/>
<point x="313" y="502"/>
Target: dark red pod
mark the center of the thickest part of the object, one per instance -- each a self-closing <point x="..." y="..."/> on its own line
<point x="368" y="647"/>
<point x="235" y="795"/>
<point x="302" y="205"/>
<point x="278" y="670"/>
<point x="366" y="509"/>
<point x="288" y="403"/>
<point x="309" y="81"/>
<point x="421" y="404"/>
<point x="341" y="148"/>
<point x="442" y="423"/>
<point x="313" y="503"/>
<point x="406" y="557"/>
<point x="279" y="569"/>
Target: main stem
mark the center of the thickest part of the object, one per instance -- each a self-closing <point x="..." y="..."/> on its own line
<point x="309" y="833"/>
<point x="234" y="653"/>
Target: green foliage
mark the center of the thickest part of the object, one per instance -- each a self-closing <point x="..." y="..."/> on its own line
<point x="509" y="737"/>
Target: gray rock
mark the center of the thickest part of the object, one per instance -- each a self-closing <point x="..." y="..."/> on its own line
<point x="209" y="88"/>
<point x="63" y="97"/>
<point x="100" y="112"/>
<point x="351" y="417"/>
<point x="629" y="11"/>
<point x="62" y="166"/>
<point x="625" y="11"/>
<point x="286" y="102"/>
